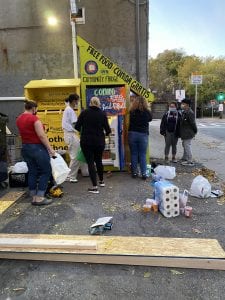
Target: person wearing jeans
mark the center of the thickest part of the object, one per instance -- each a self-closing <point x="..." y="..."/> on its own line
<point x="36" y="152"/>
<point x="188" y="130"/>
<point x="37" y="159"/>
<point x="138" y="134"/>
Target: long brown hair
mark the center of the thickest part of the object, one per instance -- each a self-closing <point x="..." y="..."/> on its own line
<point x="139" y="103"/>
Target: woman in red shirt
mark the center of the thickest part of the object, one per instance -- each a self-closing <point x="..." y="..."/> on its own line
<point x="36" y="152"/>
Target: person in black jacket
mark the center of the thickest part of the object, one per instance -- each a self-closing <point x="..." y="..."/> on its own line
<point x="188" y="130"/>
<point x="93" y="125"/>
<point x="170" y="129"/>
<point x="138" y="134"/>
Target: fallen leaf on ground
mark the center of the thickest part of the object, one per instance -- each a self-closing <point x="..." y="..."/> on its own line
<point x="147" y="274"/>
<point x="19" y="289"/>
<point x="205" y="172"/>
<point x="109" y="174"/>
<point x="195" y="230"/>
<point x="221" y="201"/>
<point x="136" y="206"/>
<point x="175" y="272"/>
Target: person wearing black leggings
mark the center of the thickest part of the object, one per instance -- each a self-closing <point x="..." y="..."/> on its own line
<point x="93" y="125"/>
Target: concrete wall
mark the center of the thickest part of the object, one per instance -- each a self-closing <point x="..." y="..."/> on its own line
<point x="30" y="49"/>
<point x="12" y="108"/>
<point x="110" y="27"/>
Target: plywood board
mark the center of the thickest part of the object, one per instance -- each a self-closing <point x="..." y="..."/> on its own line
<point x="8" y="199"/>
<point x="39" y="243"/>
<point x="151" y="251"/>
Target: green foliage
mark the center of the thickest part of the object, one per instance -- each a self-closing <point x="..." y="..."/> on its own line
<point x="172" y="69"/>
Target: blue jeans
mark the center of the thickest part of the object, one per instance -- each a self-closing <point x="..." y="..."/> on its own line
<point x="138" y="143"/>
<point x="38" y="161"/>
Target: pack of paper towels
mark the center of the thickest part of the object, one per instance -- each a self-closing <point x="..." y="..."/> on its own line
<point x="167" y="196"/>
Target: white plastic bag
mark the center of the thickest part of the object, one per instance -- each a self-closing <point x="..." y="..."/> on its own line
<point x="200" y="187"/>
<point x="165" y="172"/>
<point x="20" y="167"/>
<point x="60" y="170"/>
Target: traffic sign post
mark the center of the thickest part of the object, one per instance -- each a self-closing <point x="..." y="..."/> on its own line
<point x="213" y="102"/>
<point x="196" y="79"/>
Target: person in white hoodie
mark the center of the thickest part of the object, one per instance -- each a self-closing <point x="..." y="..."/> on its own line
<point x="71" y="138"/>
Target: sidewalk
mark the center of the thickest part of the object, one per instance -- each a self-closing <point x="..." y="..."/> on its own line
<point x="206" y="150"/>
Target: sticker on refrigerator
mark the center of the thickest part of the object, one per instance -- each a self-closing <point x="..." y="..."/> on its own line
<point x="113" y="99"/>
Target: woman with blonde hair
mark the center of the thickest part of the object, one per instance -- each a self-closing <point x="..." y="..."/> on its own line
<point x="93" y="125"/>
<point x="138" y="133"/>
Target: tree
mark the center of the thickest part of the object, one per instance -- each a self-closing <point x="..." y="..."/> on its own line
<point x="172" y="69"/>
<point x="164" y="73"/>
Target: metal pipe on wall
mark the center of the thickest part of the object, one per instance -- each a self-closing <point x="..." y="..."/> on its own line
<point x="137" y="29"/>
<point x="73" y="8"/>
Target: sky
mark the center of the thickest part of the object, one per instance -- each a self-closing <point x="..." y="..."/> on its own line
<point x="195" y="26"/>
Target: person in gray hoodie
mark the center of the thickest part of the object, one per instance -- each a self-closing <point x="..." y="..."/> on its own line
<point x="188" y="129"/>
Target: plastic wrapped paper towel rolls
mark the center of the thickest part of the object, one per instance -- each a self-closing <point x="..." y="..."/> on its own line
<point x="167" y="195"/>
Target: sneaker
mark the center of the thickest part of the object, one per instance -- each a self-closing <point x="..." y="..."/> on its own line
<point x="93" y="190"/>
<point x="101" y="183"/>
<point x="174" y="160"/>
<point x="73" y="180"/>
<point x="188" y="163"/>
<point x="134" y="175"/>
<point x="144" y="177"/>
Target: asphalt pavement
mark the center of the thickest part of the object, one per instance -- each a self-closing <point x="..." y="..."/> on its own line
<point x="122" y="198"/>
<point x="208" y="145"/>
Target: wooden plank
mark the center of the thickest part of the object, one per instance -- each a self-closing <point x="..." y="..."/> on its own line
<point x="174" y="262"/>
<point x="39" y="243"/>
<point x="152" y="246"/>
<point x="151" y="251"/>
<point x="8" y="199"/>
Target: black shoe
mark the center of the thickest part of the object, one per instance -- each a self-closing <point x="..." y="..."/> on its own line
<point x="45" y="201"/>
<point x="144" y="177"/>
<point x="134" y="175"/>
<point x="93" y="190"/>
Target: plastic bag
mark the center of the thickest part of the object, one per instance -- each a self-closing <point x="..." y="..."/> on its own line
<point x="80" y="156"/>
<point x="165" y="172"/>
<point x="20" y="167"/>
<point x="200" y="187"/>
<point x="60" y="170"/>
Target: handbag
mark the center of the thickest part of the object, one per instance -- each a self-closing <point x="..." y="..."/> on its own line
<point x="60" y="170"/>
<point x="80" y="156"/>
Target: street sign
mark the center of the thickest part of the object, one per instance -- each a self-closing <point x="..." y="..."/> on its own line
<point x="196" y="78"/>
<point x="220" y="107"/>
<point x="180" y="95"/>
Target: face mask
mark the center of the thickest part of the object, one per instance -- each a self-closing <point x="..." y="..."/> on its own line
<point x="173" y="109"/>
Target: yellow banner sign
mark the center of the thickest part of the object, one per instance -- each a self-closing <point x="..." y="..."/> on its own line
<point x="97" y="69"/>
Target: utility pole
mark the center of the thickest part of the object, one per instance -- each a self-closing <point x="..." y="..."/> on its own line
<point x="196" y="79"/>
